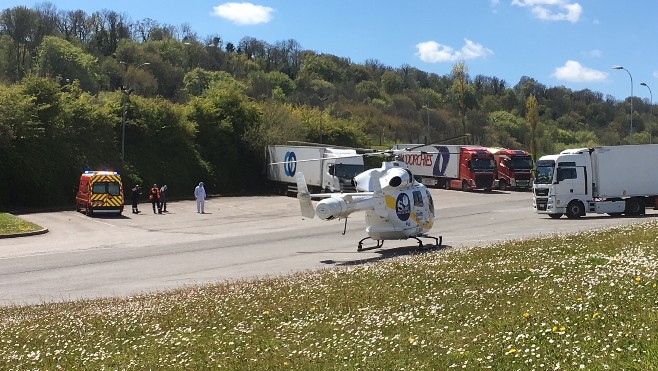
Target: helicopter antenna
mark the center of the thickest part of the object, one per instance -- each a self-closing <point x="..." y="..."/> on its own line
<point x="345" y="227"/>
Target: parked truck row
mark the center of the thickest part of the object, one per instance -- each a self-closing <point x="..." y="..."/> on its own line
<point x="329" y="169"/>
<point x="615" y="180"/>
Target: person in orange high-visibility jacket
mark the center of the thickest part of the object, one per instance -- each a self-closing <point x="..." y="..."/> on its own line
<point x="154" y="196"/>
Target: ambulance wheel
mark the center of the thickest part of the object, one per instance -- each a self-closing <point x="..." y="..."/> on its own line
<point x="88" y="211"/>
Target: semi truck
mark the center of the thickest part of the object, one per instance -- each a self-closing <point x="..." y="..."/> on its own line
<point x="514" y="168"/>
<point x="450" y="166"/>
<point x="326" y="169"/>
<point x="612" y="180"/>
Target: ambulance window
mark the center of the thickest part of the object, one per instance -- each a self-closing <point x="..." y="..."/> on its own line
<point x="113" y="188"/>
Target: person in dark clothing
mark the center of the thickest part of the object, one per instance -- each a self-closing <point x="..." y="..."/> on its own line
<point x="163" y="198"/>
<point x="154" y="196"/>
<point x="135" y="198"/>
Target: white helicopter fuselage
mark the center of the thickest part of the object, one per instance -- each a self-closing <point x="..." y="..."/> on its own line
<point x="410" y="213"/>
<point x="396" y="206"/>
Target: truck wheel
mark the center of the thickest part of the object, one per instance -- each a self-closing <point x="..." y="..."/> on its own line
<point x="634" y="207"/>
<point x="555" y="216"/>
<point x="502" y="185"/>
<point x="464" y="185"/>
<point x="446" y="185"/>
<point x="575" y="209"/>
<point x="88" y="211"/>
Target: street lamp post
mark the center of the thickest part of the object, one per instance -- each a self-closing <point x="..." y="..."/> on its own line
<point x="629" y="75"/>
<point x="650" y="108"/>
<point x="427" y="108"/>
<point x="126" y="90"/>
<point x="322" y="99"/>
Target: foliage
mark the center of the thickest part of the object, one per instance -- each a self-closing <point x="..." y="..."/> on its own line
<point x="62" y="106"/>
<point x="10" y="224"/>
<point x="585" y="301"/>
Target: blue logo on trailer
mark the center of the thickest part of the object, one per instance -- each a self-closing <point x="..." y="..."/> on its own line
<point x="403" y="207"/>
<point x="442" y="159"/>
<point x="290" y="167"/>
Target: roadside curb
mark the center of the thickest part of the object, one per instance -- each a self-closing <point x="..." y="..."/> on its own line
<point x="24" y="234"/>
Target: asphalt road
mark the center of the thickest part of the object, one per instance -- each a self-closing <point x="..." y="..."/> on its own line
<point x="237" y="238"/>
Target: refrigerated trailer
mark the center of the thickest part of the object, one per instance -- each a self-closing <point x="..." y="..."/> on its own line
<point x="326" y="169"/>
<point x="614" y="179"/>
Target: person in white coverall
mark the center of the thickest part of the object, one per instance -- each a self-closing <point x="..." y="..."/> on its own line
<point x="200" y="195"/>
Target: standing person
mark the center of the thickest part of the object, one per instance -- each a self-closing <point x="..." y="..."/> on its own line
<point x="200" y="195"/>
<point x="163" y="198"/>
<point x="154" y="196"/>
<point x="135" y="198"/>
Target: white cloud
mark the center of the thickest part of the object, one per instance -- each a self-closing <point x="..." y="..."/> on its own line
<point x="243" y="13"/>
<point x="594" y="53"/>
<point x="552" y="10"/>
<point x="433" y="52"/>
<point x="573" y="71"/>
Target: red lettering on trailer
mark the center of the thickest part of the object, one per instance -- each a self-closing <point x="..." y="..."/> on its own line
<point x="420" y="159"/>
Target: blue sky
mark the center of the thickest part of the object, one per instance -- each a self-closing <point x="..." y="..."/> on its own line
<point x="574" y="43"/>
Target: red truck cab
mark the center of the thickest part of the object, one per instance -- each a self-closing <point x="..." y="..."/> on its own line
<point x="514" y="168"/>
<point x="477" y="169"/>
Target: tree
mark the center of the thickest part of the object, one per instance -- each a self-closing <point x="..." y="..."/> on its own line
<point x="533" y="118"/>
<point x="462" y="92"/>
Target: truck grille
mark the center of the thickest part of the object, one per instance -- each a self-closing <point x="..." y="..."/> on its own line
<point x="541" y="191"/>
<point x="522" y="176"/>
<point x="541" y="203"/>
<point x="484" y="180"/>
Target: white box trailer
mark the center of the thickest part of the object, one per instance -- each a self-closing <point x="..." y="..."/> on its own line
<point x="611" y="179"/>
<point x="326" y="169"/>
<point x="625" y="171"/>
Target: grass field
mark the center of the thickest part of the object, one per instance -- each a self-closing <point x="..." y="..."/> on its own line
<point x="10" y="224"/>
<point x="586" y="301"/>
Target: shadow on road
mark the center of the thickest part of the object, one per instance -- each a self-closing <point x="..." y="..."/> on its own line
<point x="388" y="254"/>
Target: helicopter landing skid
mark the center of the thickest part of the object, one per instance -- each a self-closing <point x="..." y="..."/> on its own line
<point x="438" y="242"/>
<point x="380" y="243"/>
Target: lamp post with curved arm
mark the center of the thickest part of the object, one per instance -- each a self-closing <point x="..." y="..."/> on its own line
<point x="650" y="108"/>
<point x="629" y="75"/>
<point x="126" y="90"/>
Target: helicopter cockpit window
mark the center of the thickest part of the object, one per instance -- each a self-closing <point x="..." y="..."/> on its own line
<point x="430" y="201"/>
<point x="418" y="199"/>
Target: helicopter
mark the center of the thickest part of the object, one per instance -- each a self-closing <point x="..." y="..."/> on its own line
<point x="397" y="207"/>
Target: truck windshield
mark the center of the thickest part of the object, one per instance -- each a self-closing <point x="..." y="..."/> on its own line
<point x="111" y="188"/>
<point x="545" y="169"/>
<point x="521" y="163"/>
<point x="483" y="163"/>
<point x="348" y="170"/>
